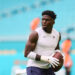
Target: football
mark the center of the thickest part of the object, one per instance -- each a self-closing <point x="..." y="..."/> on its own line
<point x="59" y="56"/>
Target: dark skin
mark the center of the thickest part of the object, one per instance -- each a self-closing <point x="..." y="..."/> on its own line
<point x="47" y="25"/>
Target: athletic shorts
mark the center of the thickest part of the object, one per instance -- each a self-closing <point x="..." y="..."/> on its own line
<point x="39" y="71"/>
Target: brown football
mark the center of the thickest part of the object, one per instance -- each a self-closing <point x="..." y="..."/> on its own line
<point x="59" y="56"/>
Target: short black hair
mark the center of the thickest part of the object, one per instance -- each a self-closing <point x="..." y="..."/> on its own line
<point x="49" y="13"/>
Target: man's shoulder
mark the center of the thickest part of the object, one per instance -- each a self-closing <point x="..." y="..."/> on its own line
<point x="56" y="32"/>
<point x="33" y="36"/>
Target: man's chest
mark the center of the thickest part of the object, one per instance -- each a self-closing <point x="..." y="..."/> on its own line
<point x="48" y="40"/>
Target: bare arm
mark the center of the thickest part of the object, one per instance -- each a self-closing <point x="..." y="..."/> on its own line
<point x="31" y="44"/>
<point x="30" y="47"/>
<point x="58" y="42"/>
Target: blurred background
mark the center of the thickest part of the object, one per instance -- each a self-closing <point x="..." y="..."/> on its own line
<point x="16" y="19"/>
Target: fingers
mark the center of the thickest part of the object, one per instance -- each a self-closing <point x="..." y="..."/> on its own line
<point x="54" y="62"/>
<point x="53" y="65"/>
<point x="55" y="59"/>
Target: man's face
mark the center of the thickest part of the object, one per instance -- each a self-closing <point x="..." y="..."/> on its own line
<point x="47" y="22"/>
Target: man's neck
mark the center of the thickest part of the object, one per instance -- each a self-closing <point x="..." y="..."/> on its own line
<point x="48" y="30"/>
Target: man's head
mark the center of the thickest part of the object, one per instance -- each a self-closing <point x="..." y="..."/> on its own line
<point x="49" y="13"/>
<point x="48" y="19"/>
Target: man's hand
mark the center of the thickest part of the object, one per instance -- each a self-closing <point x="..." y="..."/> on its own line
<point x="50" y="59"/>
<point x="53" y="61"/>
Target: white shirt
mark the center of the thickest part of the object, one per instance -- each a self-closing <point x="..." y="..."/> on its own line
<point x="46" y="45"/>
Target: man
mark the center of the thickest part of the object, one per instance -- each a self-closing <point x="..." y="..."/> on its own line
<point x="41" y="45"/>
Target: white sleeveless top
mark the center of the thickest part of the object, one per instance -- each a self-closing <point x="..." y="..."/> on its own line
<point x="46" y="45"/>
